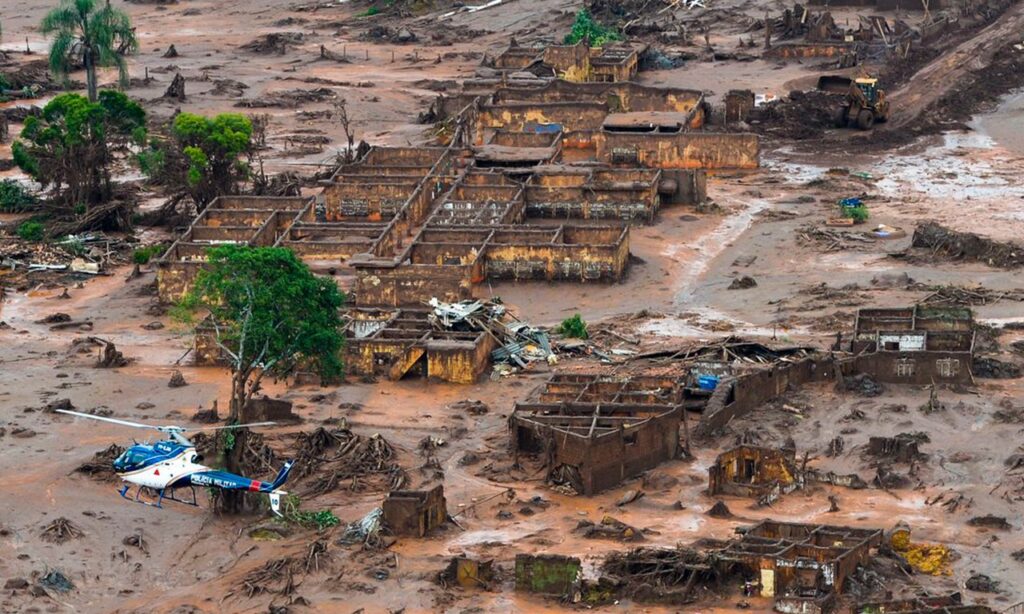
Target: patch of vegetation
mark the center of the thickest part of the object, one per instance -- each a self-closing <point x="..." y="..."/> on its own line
<point x="320" y="520"/>
<point x="370" y="12"/>
<point x="31" y="230"/>
<point x="206" y="157"/>
<point x="585" y="27"/>
<point x="74" y="144"/>
<point x="858" y="214"/>
<point x="144" y="254"/>
<point x="14" y="197"/>
<point x="574" y="327"/>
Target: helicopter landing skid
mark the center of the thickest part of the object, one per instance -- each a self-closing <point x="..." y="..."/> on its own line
<point x="164" y="494"/>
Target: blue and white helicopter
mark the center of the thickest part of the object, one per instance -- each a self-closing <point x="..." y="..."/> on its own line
<point x="168" y="465"/>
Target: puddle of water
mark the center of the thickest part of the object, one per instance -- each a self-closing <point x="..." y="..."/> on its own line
<point x="1005" y="125"/>
<point x="489" y="537"/>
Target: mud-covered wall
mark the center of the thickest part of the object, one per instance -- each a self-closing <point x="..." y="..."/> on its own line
<point x="459" y="362"/>
<point x="739" y="395"/>
<point x="411" y="285"/>
<point x="174" y="279"/>
<point x="565" y="57"/>
<point x="556" y="261"/>
<point x="538" y="117"/>
<point x="917" y="368"/>
<point x="266" y="203"/>
<point x="809" y="50"/>
<point x="687" y="150"/>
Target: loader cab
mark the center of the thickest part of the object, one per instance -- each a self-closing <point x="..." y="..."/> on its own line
<point x="869" y="87"/>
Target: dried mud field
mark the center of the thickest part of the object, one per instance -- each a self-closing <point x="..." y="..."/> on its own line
<point x="942" y="157"/>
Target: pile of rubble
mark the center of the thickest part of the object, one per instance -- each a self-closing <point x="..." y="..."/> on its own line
<point x="519" y="343"/>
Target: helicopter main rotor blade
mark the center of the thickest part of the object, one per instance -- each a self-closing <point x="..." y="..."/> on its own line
<point x="228" y="426"/>
<point x="112" y="420"/>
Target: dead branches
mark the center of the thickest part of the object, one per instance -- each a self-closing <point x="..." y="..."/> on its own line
<point x="276" y="577"/>
<point x="60" y="531"/>
<point x="101" y="466"/>
<point x="137" y="541"/>
<point x="833" y="240"/>
<point x="279" y="576"/>
<point x="958" y="295"/>
<point x="340" y="455"/>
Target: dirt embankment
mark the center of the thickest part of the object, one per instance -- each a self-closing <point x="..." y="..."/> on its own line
<point x="959" y="83"/>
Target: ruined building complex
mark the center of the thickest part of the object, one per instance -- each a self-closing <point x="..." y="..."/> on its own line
<point x="404" y="225"/>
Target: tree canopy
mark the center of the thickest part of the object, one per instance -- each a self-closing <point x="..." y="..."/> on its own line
<point x="270" y="314"/>
<point x="586" y="28"/>
<point x="73" y="144"/>
<point x="207" y="157"/>
<point x="92" y="34"/>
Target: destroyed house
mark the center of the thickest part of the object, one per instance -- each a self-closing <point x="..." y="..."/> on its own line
<point x="402" y="342"/>
<point x="753" y="471"/>
<point x="915" y="345"/>
<point x="594" y="431"/>
<point x="803" y="567"/>
<point x="453" y="342"/>
<point x="579" y="62"/>
<point x="258" y="221"/>
<point x="446" y="261"/>
<point x="415" y="513"/>
<point x="620" y="124"/>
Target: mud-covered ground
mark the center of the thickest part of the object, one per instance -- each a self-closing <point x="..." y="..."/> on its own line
<point x="808" y="287"/>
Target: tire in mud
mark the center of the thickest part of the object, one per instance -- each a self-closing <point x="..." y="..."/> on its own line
<point x="840" y="117"/>
<point x="865" y="119"/>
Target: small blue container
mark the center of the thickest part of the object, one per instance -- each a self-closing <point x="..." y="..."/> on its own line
<point x="707" y="382"/>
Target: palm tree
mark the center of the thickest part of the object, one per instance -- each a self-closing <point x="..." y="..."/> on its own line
<point x="90" y="34"/>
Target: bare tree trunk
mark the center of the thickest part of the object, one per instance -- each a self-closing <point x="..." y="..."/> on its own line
<point x="90" y="75"/>
<point x="232" y="501"/>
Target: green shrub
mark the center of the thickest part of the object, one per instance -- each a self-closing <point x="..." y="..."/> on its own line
<point x="324" y="519"/>
<point x="14" y="197"/>
<point x="585" y="27"/>
<point x="370" y="12"/>
<point x="31" y="231"/>
<point x="574" y="327"/>
<point x="858" y="214"/>
<point x="144" y="254"/>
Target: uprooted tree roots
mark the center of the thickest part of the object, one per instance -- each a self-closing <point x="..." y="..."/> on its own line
<point x="101" y="467"/>
<point x="661" y="574"/>
<point x="279" y="576"/>
<point x="339" y="455"/>
<point x="60" y="531"/>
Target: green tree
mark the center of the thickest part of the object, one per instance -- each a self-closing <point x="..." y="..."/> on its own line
<point x="208" y="157"/>
<point x="270" y="314"/>
<point x="72" y="146"/>
<point x="92" y="34"/>
<point x="586" y="28"/>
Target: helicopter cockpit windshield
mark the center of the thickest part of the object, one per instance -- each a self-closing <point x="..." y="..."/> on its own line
<point x="132" y="458"/>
